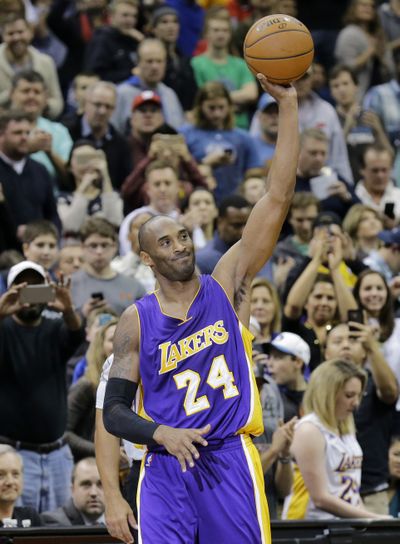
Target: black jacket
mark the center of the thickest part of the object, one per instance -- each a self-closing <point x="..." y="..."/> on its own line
<point x="116" y="148"/>
<point x="111" y="54"/>
<point x="64" y="516"/>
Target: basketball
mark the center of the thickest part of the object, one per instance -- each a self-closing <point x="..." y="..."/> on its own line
<point x="280" y="47"/>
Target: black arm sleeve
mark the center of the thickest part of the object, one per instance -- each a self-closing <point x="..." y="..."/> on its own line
<point x="118" y="417"/>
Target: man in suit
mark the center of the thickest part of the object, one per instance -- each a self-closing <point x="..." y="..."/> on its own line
<point x="86" y="505"/>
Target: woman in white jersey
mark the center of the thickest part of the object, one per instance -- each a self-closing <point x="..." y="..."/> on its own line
<point x="328" y="458"/>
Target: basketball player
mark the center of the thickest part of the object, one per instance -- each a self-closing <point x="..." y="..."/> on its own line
<point x="188" y="346"/>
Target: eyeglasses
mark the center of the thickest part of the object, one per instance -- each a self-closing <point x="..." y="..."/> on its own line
<point x="102" y="245"/>
<point x="99" y="105"/>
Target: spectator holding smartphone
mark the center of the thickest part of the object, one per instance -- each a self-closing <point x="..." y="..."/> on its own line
<point x="33" y="396"/>
<point x="94" y="194"/>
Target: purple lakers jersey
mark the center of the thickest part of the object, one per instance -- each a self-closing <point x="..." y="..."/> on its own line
<point x="198" y="371"/>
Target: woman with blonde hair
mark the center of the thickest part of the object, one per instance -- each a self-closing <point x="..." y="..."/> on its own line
<point x="214" y="141"/>
<point x="328" y="458"/>
<point x="265" y="307"/>
<point x="363" y="224"/>
<point x="82" y="394"/>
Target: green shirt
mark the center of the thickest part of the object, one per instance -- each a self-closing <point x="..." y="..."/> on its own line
<point x="233" y="73"/>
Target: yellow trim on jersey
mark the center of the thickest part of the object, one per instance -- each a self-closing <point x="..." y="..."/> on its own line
<point x="257" y="476"/>
<point x="190" y="305"/>
<point x="141" y="476"/>
<point x="299" y="497"/>
<point x="254" y="424"/>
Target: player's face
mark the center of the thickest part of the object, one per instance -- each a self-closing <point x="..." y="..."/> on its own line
<point x="262" y="306"/>
<point x="312" y="157"/>
<point x="370" y="225"/>
<point x="170" y="250"/>
<point x="341" y="345"/>
<point x="87" y="491"/>
<point x="343" y="89"/>
<point x="373" y="293"/>
<point x="42" y="250"/>
<point x="11" y="480"/>
<point x="301" y="221"/>
<point x="321" y="303"/>
<point x="348" y="399"/>
<point x="394" y="460"/>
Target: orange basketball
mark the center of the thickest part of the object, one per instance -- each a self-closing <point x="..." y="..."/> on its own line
<point x="280" y="47"/>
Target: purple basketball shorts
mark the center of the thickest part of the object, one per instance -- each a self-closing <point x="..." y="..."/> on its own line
<point x="219" y="501"/>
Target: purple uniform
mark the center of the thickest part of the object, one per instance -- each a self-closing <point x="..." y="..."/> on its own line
<point x="194" y="372"/>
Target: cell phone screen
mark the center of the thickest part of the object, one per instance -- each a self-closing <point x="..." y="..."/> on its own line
<point x="37" y="294"/>
<point x="389" y="210"/>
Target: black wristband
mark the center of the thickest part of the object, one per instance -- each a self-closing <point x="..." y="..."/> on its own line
<point x="119" y="418"/>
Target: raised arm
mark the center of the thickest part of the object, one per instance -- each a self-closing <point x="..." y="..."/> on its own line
<point x="241" y="263"/>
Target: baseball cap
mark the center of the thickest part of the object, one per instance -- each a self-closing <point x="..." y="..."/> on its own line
<point x="144" y="97"/>
<point x="160" y="12"/>
<point x="390" y="236"/>
<point x="18" y="268"/>
<point x="265" y="101"/>
<point x="327" y="218"/>
<point x="292" y="344"/>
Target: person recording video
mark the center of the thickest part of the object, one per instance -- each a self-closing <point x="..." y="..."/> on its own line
<point x="93" y="194"/>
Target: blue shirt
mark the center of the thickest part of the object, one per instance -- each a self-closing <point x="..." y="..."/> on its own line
<point x="241" y="145"/>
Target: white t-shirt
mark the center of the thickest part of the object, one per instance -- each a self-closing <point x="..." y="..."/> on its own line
<point x="134" y="452"/>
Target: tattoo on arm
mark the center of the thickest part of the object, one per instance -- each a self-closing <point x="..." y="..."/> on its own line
<point x="239" y="295"/>
<point x="124" y="349"/>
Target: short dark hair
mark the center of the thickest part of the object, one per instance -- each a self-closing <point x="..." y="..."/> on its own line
<point x="27" y="75"/>
<point x="6" y="117"/>
<point x="39" y="228"/>
<point x="339" y="69"/>
<point x="97" y="225"/>
<point x="378" y="148"/>
<point x="232" y="201"/>
<point x="158" y="164"/>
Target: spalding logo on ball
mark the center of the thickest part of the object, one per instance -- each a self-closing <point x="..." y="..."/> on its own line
<point x="280" y="47"/>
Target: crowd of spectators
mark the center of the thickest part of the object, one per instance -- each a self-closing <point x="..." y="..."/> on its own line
<point x="112" y="112"/>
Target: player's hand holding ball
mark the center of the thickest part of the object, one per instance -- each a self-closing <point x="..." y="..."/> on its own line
<point x="280" y="47"/>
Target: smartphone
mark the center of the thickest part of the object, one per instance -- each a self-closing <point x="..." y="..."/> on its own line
<point x="83" y="159"/>
<point x="389" y="210"/>
<point x="98" y="295"/>
<point x="357" y="316"/>
<point x="37" y="294"/>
